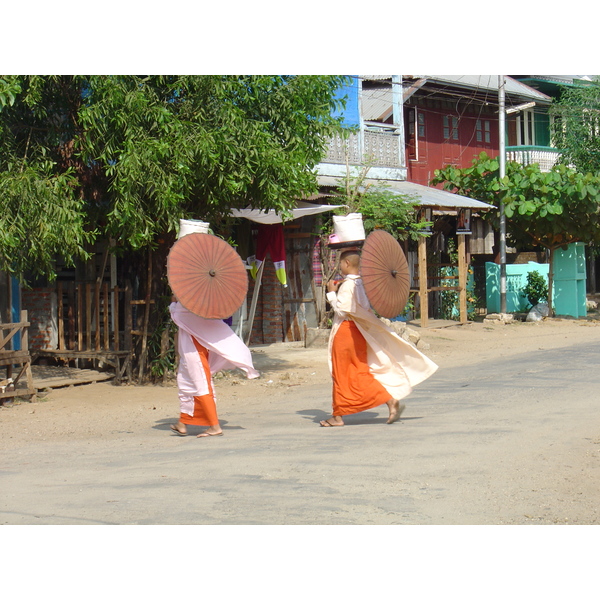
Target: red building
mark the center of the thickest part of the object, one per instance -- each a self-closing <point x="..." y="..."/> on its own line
<point x="451" y="119"/>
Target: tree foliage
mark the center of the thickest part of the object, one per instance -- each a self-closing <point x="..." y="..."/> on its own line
<point x="576" y="127"/>
<point x="548" y="209"/>
<point x="50" y="221"/>
<point x="128" y="156"/>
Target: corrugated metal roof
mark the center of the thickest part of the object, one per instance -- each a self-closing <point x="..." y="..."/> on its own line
<point x="376" y="103"/>
<point x="269" y="217"/>
<point x="558" y="78"/>
<point x="489" y="83"/>
<point x="427" y="196"/>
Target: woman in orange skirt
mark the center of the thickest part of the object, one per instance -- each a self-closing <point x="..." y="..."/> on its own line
<point x="370" y="365"/>
<point x="204" y="346"/>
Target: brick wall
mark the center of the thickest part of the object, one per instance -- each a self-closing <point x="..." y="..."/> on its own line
<point x="40" y="304"/>
<point x="522" y="258"/>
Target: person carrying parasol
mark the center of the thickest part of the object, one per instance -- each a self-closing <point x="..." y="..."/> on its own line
<point x="209" y="283"/>
<point x="369" y="363"/>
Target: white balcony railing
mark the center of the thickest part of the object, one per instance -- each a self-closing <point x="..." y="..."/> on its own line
<point x="375" y="147"/>
<point x="527" y="155"/>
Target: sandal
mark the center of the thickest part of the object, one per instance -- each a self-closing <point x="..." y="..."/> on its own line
<point x="328" y="423"/>
<point x="177" y="431"/>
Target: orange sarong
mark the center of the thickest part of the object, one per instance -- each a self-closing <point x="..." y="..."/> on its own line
<point x="205" y="407"/>
<point x="354" y="387"/>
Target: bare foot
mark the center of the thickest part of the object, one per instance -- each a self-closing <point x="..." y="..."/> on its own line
<point x="213" y="430"/>
<point x="396" y="410"/>
<point x="332" y="422"/>
<point x="179" y="428"/>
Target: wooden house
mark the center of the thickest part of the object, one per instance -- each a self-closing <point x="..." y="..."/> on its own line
<point x="451" y="119"/>
<point x="529" y="131"/>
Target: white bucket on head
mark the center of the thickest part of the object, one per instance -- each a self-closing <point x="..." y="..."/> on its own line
<point x="186" y="227"/>
<point x="349" y="228"/>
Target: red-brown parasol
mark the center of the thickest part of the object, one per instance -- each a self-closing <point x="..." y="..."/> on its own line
<point x="207" y="275"/>
<point x="384" y="272"/>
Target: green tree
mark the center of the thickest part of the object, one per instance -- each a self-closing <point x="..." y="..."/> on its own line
<point x="548" y="209"/>
<point x="576" y="126"/>
<point x="9" y="88"/>
<point x="42" y="213"/>
<point x="380" y="207"/>
<point x="127" y="156"/>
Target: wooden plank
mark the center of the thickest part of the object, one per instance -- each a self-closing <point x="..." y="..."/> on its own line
<point x="88" y="316"/>
<point x="438" y="277"/>
<point x="110" y="358"/>
<point x="105" y="304"/>
<point x="61" y="323"/>
<point x="83" y="353"/>
<point x="22" y="358"/>
<point x="422" y="259"/>
<point x="4" y="341"/>
<point x="257" y="283"/>
<point x="116" y="318"/>
<point x="462" y="278"/>
<point x="413" y="88"/>
<point x="68" y="377"/>
<point x="71" y="315"/>
<point x="144" y="350"/>
<point x="128" y="319"/>
<point x="298" y="235"/>
<point x="14" y="357"/>
<point x="79" y="292"/>
<point x="15" y="326"/>
<point x="97" y="315"/>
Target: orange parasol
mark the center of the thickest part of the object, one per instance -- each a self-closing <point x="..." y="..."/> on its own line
<point x="207" y="275"/>
<point x="384" y="272"/>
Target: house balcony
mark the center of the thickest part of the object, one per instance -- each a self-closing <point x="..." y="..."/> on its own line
<point x="545" y="156"/>
<point x="377" y="145"/>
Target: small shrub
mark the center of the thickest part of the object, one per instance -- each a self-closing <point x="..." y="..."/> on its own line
<point x="536" y="288"/>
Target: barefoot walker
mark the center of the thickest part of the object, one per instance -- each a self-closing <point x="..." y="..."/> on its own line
<point x="369" y="363"/>
<point x="209" y="284"/>
<point x="205" y="346"/>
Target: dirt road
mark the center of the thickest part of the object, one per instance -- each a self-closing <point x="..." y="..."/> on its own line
<point x="101" y="454"/>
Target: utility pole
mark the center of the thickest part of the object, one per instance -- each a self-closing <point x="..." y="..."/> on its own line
<point x="502" y="165"/>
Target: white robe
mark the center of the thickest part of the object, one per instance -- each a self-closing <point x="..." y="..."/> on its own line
<point x="225" y="351"/>
<point x="394" y="362"/>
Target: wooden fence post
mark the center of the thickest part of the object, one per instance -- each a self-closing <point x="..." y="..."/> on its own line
<point x="462" y="278"/>
<point x="422" y="257"/>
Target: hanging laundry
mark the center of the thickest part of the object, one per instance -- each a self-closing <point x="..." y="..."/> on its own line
<point x="270" y="241"/>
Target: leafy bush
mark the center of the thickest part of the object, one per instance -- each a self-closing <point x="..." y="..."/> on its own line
<point x="536" y="288"/>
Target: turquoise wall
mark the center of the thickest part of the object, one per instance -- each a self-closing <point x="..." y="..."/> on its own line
<point x="516" y="280"/>
<point x="569" y="284"/>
